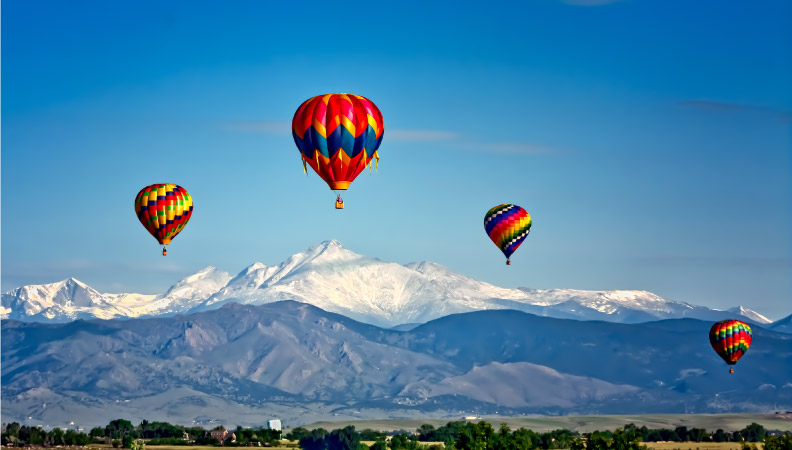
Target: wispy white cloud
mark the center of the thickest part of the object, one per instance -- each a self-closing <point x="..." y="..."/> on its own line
<point x="720" y="261"/>
<point x="717" y="106"/>
<point x="509" y="148"/>
<point x="460" y="140"/>
<point x="421" y="135"/>
<point x="259" y="126"/>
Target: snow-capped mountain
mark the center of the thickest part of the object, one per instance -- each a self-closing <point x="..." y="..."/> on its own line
<point x="752" y="315"/>
<point x="69" y="300"/>
<point x="72" y="299"/>
<point x="366" y="289"/>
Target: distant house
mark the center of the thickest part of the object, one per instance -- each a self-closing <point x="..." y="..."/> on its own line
<point x="223" y="435"/>
<point x="274" y="424"/>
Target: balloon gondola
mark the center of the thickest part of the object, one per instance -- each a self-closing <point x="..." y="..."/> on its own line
<point x="338" y="136"/>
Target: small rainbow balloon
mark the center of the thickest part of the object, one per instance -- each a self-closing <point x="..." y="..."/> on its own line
<point x="164" y="209"/>
<point x="507" y="226"/>
<point x="730" y="339"/>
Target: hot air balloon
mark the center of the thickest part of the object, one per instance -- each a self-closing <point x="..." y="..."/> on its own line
<point x="730" y="339"/>
<point x="507" y="226"/>
<point x="338" y="135"/>
<point x="164" y="209"/>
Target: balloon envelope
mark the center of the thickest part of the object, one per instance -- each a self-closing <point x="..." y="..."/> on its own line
<point x="508" y="226"/>
<point x="164" y="209"/>
<point x="338" y="135"/>
<point x="730" y="339"/>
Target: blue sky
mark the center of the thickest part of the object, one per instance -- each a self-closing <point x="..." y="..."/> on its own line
<point x="649" y="140"/>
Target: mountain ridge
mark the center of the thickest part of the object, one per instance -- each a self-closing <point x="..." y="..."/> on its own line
<point x="336" y="279"/>
<point x="305" y="363"/>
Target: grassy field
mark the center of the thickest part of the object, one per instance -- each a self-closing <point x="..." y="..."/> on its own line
<point x="711" y="422"/>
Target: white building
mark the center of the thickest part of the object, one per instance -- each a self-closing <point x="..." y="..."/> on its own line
<point x="274" y="424"/>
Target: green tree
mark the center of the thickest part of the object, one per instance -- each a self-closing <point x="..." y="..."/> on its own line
<point x="314" y="441"/>
<point x="720" y="436"/>
<point x="119" y="428"/>
<point x="398" y="442"/>
<point x="297" y="433"/>
<point x="127" y="441"/>
<point x="697" y="434"/>
<point x="753" y="433"/>
<point x="426" y="432"/>
<point x="344" y="439"/>
<point x="97" y="432"/>
<point x="379" y="445"/>
<point x="372" y="435"/>
<point x="55" y="437"/>
<point x="780" y="442"/>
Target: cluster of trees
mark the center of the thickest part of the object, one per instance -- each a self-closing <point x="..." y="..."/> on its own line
<point x="752" y="433"/>
<point x="121" y="433"/>
<point x="459" y="435"/>
<point x="462" y="435"/>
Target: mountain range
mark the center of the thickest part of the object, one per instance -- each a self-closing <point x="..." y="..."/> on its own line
<point x="366" y="289"/>
<point x="242" y="364"/>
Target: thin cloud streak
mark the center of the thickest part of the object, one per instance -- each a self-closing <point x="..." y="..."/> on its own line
<point x="718" y="261"/>
<point x="408" y="135"/>
<point x="279" y="127"/>
<point x="712" y="105"/>
<point x="421" y="135"/>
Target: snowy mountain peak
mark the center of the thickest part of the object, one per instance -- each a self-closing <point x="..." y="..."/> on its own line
<point x="326" y="252"/>
<point x="750" y="314"/>
<point x="199" y="285"/>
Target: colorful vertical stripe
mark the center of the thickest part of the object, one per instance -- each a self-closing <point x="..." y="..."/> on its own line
<point x="730" y="339"/>
<point x="164" y="209"/>
<point x="507" y="226"/>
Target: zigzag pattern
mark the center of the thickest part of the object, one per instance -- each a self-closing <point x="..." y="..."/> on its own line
<point x="338" y="135"/>
<point x="730" y="339"/>
<point x="164" y="209"/>
<point x="508" y="226"/>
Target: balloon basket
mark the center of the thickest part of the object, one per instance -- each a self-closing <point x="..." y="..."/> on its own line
<point x="339" y="205"/>
<point x="164" y="251"/>
<point x="508" y="263"/>
<point x="731" y="369"/>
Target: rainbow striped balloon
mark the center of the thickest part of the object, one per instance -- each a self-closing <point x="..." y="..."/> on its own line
<point x="164" y="209"/>
<point x="338" y="135"/>
<point x="730" y="339"/>
<point x="507" y="226"/>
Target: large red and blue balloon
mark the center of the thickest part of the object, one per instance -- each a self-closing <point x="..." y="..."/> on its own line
<point x="508" y="226"/>
<point x="730" y="339"/>
<point x="338" y="135"/>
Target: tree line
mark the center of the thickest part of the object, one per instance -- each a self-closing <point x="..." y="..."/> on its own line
<point x="459" y="435"/>
<point x="122" y="433"/>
